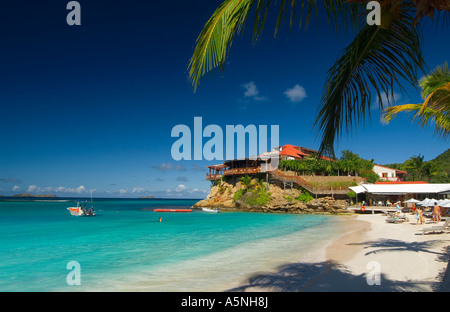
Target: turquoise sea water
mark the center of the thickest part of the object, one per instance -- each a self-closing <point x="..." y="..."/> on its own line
<point x="125" y="248"/>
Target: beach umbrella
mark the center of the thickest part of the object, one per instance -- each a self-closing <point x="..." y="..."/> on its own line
<point x="412" y="200"/>
<point x="423" y="202"/>
<point x="428" y="202"/>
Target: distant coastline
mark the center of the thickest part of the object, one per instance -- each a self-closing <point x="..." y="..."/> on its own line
<point x="31" y="195"/>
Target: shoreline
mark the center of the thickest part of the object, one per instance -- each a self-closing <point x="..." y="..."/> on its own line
<point x="368" y="255"/>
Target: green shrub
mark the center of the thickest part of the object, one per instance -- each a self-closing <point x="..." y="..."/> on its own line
<point x="304" y="197"/>
<point x="252" y="194"/>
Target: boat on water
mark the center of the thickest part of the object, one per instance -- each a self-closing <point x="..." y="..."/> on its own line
<point x="211" y="210"/>
<point x="81" y="211"/>
<point x="172" y="210"/>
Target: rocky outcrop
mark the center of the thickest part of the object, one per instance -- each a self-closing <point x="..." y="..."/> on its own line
<point x="281" y="200"/>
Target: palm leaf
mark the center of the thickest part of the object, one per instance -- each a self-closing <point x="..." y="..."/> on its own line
<point x="374" y="62"/>
<point x="230" y="17"/>
<point x="436" y="79"/>
<point x="435" y="108"/>
<point x="423" y="116"/>
<point x="439" y="99"/>
<point x="217" y="36"/>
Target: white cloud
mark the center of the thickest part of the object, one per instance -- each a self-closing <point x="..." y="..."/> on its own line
<point x="60" y="189"/>
<point x="384" y="100"/>
<point x="181" y="188"/>
<point x="296" y="94"/>
<point x="250" y="89"/>
<point x="137" y="190"/>
<point x="252" y="92"/>
<point x="169" y="167"/>
<point x="31" y="188"/>
<point x="16" y="188"/>
<point x="122" y="191"/>
<point x="80" y="189"/>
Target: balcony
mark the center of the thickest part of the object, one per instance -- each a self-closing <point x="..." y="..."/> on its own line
<point x="234" y="171"/>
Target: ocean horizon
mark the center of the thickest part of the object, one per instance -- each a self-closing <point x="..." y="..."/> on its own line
<point x="125" y="248"/>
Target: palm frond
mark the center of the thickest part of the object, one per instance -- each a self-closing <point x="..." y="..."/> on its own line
<point x="423" y="116"/>
<point x="217" y="36"/>
<point x="374" y="62"/>
<point x="435" y="108"/>
<point x="230" y="17"/>
<point x="437" y="78"/>
<point x="439" y="99"/>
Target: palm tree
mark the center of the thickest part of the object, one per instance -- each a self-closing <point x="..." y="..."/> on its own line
<point x="416" y="166"/>
<point x="374" y="62"/>
<point x="245" y="181"/>
<point x="436" y="105"/>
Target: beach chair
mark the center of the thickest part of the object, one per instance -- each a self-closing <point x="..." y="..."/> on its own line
<point x="396" y="219"/>
<point x="438" y="229"/>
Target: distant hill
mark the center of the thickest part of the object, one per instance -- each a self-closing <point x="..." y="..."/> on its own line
<point x="31" y="195"/>
<point x="436" y="170"/>
<point x="443" y="161"/>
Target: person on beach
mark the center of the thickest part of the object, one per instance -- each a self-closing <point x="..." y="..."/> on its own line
<point x="398" y="209"/>
<point x="413" y="207"/>
<point x="436" y="213"/>
<point x="419" y="216"/>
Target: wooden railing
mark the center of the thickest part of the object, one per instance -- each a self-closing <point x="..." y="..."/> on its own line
<point x="323" y="190"/>
<point x="233" y="171"/>
<point x="213" y="176"/>
<point x="281" y="176"/>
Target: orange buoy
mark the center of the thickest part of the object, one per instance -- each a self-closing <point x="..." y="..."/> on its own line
<point x="363" y="208"/>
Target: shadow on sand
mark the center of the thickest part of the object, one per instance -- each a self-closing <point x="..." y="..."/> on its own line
<point x="332" y="276"/>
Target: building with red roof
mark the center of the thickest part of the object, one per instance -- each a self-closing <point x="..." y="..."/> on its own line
<point x="389" y="174"/>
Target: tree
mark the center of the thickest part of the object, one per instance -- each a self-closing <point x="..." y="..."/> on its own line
<point x="373" y="63"/>
<point x="415" y="166"/>
<point x="246" y="181"/>
<point x="436" y="105"/>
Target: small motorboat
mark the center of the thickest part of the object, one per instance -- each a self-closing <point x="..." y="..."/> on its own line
<point x="211" y="210"/>
<point x="81" y="211"/>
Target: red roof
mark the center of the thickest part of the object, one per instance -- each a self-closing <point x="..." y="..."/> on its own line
<point x="295" y="151"/>
<point x="291" y="150"/>
<point x="327" y="158"/>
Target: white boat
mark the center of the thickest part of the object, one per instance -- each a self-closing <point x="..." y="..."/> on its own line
<point x="211" y="210"/>
<point x="81" y="211"/>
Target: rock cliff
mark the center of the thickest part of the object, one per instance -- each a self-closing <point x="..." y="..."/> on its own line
<point x="281" y="200"/>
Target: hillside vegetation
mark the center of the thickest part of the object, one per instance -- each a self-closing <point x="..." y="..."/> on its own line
<point x="436" y="170"/>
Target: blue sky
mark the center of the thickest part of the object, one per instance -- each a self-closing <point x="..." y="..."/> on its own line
<point x="92" y="107"/>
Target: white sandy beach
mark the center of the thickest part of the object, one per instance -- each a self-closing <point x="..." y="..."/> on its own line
<point x="371" y="255"/>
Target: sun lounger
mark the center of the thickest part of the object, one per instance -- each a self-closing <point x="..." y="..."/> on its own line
<point x="438" y="229"/>
<point x="396" y="219"/>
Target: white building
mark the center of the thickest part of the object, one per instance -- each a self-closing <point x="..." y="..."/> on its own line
<point x="389" y="174"/>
